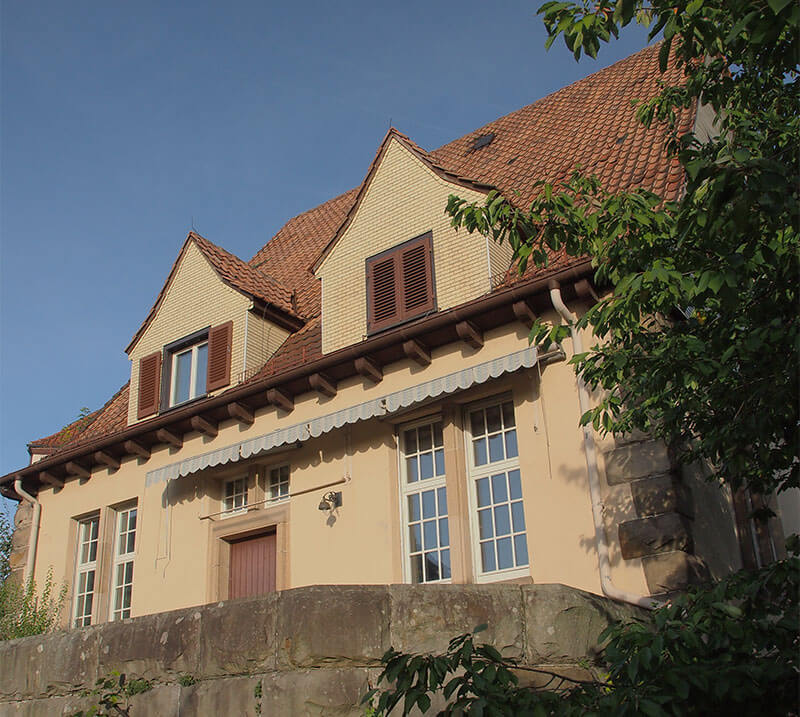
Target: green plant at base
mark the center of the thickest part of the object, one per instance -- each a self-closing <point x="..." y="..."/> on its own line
<point x="186" y="680"/>
<point x="25" y="611"/>
<point x="114" y="692"/>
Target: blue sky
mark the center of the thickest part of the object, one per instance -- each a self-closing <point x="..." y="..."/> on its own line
<point x="123" y="123"/>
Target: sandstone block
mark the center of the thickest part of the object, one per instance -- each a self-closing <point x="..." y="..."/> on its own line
<point x="227" y="648"/>
<point x="655" y="534"/>
<point x="426" y="617"/>
<point x="636" y="460"/>
<point x="319" y="692"/>
<point x="321" y="625"/>
<point x="563" y="624"/>
<point x="668" y="572"/>
<point x="162" y="700"/>
<point x="222" y="697"/>
<point x="661" y="494"/>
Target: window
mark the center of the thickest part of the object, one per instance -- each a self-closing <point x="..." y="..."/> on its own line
<point x="235" y="500"/>
<point x="122" y="570"/>
<point x="400" y="284"/>
<point x="424" y="498"/>
<point x="496" y="489"/>
<point x="279" y="483"/>
<point x="86" y="571"/>
<point x="189" y="369"/>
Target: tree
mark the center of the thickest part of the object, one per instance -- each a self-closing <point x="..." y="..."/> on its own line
<point x="701" y="324"/>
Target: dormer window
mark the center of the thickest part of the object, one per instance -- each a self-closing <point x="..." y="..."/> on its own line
<point x="187" y="368"/>
<point x="400" y="284"/>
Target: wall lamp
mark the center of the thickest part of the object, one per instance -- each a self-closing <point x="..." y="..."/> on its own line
<point x="331" y="500"/>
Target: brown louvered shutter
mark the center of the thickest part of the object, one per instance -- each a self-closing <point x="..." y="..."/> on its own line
<point x="149" y="383"/>
<point x="220" y="339"/>
<point x="383" y="291"/>
<point x="417" y="262"/>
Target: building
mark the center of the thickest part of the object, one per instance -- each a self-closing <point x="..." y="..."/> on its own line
<point x="358" y="403"/>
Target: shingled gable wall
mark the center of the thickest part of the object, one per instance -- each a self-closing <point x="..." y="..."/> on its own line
<point x="310" y="651"/>
<point x="195" y="299"/>
<point x="404" y="199"/>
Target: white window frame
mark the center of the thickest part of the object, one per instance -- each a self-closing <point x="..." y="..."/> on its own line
<point x="487" y="470"/>
<point x="283" y="485"/>
<point x="407" y="489"/>
<point x="123" y="558"/>
<point x="173" y="384"/>
<point x="231" y="509"/>
<point x="84" y="568"/>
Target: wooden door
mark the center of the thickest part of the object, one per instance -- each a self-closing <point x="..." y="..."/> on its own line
<point x="252" y="566"/>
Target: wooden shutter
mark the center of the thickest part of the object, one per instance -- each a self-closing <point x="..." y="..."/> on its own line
<point x="220" y="339"/>
<point x="400" y="284"/>
<point x="149" y="384"/>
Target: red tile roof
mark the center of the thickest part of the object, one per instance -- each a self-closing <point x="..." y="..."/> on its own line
<point x="589" y="123"/>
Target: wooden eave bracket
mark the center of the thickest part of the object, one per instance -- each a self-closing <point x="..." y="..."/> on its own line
<point x="524" y="313"/>
<point x="322" y="384"/>
<point x="280" y="399"/>
<point x="46" y="477"/>
<point x="137" y="449"/>
<point x="106" y="459"/>
<point x="470" y="334"/>
<point x="241" y="413"/>
<point x="204" y="426"/>
<point x="165" y="436"/>
<point x="367" y="368"/>
<point x="416" y="351"/>
<point x="78" y="470"/>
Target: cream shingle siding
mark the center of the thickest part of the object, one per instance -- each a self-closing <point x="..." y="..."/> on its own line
<point x="196" y="299"/>
<point x="263" y="340"/>
<point x="405" y="199"/>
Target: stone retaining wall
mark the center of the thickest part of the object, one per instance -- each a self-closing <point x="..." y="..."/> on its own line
<point x="307" y="651"/>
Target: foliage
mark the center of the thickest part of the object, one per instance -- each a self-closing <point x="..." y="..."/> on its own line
<point x="186" y="680"/>
<point x="26" y="611"/>
<point x="732" y="649"/>
<point x="6" y="532"/>
<point x="701" y="325"/>
<point x="114" y="692"/>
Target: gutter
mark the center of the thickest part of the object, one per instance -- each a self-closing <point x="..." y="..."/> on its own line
<point x="601" y="539"/>
<point x="33" y="539"/>
<point x="392" y="337"/>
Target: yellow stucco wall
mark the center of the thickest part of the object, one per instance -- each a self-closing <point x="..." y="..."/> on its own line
<point x="175" y="563"/>
<point x="404" y="199"/>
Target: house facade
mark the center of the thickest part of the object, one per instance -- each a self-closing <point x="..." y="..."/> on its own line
<point x="359" y="404"/>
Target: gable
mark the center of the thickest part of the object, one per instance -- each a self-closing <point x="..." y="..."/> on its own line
<point x="403" y="198"/>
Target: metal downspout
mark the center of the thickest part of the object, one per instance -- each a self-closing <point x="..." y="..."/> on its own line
<point x="33" y="541"/>
<point x="590" y="451"/>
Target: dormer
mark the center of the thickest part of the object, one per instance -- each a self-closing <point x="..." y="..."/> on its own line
<point x="214" y="324"/>
<point x="396" y="258"/>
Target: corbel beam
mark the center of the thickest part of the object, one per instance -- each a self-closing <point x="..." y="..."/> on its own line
<point x="203" y="426"/>
<point x="322" y="384"/>
<point x="524" y="313"/>
<point x="280" y="399"/>
<point x="106" y="459"/>
<point x="367" y="368"/>
<point x="46" y="477"/>
<point x="165" y="436"/>
<point x="416" y="351"/>
<point x="241" y="413"/>
<point x="137" y="449"/>
<point x="76" y="469"/>
<point x="470" y="334"/>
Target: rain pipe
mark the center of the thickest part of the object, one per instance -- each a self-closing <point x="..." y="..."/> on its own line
<point x="590" y="450"/>
<point x="33" y="540"/>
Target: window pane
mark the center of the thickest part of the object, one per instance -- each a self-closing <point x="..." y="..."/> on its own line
<point x="511" y="444"/>
<point x="521" y="549"/>
<point x="431" y="566"/>
<point x="479" y="447"/>
<point x="202" y="369"/>
<point x="483" y="492"/>
<point x="413" y="507"/>
<point x="426" y="466"/>
<point x="429" y="534"/>
<point x="487" y="557"/>
<point x="410" y="440"/>
<point x="485" y="523"/>
<point x="499" y="492"/>
<point x="439" y="457"/>
<point x="442" y="495"/>
<point x="444" y="532"/>
<point x="476" y="423"/>
<point x="428" y="504"/>
<point x="437" y="435"/>
<point x="425" y="438"/>
<point x="496" y="447"/>
<point x="445" y="559"/>
<point x="505" y="558"/>
<point x="508" y="414"/>
<point x="416" y="568"/>
<point x="182" y="376"/>
<point x="514" y="482"/>
<point x="517" y="516"/>
<point x="493" y="419"/>
<point x="414" y="538"/>
<point x="412" y="474"/>
<point x="502" y="523"/>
